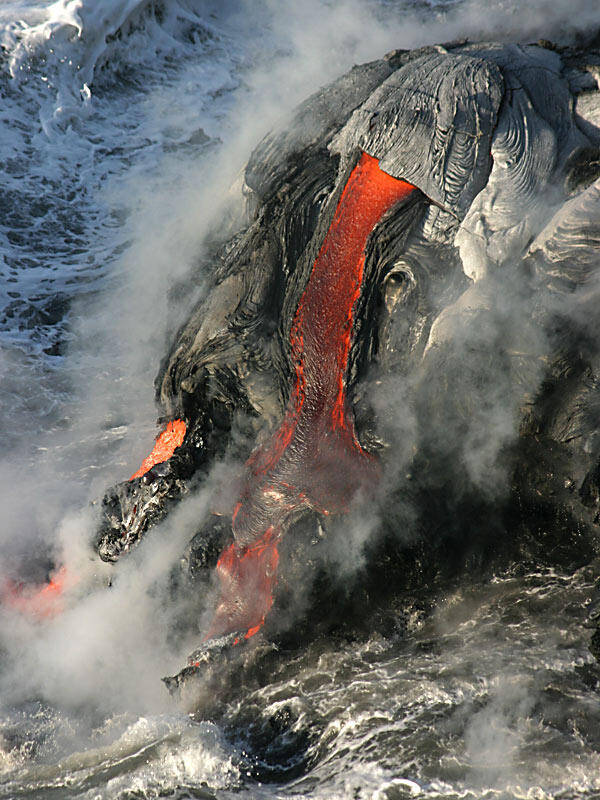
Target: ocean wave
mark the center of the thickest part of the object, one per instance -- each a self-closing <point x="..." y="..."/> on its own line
<point x="92" y="95"/>
<point x="75" y="38"/>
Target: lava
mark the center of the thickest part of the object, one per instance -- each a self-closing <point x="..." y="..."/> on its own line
<point x="247" y="576"/>
<point x="166" y="444"/>
<point x="46" y="601"/>
<point x="314" y="459"/>
<point x="41" y="602"/>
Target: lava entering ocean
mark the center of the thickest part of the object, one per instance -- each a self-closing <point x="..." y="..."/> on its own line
<point x="38" y="602"/>
<point x="314" y="458"/>
<point x="166" y="444"/>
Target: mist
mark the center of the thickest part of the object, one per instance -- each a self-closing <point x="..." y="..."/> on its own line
<point x="110" y="646"/>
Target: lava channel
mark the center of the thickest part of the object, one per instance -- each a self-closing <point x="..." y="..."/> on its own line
<point x="314" y="459"/>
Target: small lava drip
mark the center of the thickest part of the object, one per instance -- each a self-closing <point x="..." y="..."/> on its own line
<point x="314" y="459"/>
<point x="166" y="444"/>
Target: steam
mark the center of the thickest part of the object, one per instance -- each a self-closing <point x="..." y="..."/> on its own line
<point x="497" y="731"/>
<point x="111" y="646"/>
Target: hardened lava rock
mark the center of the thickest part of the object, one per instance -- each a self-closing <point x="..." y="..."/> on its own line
<point x="472" y="373"/>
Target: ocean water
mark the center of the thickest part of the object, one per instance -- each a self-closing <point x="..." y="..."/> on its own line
<point x="123" y="125"/>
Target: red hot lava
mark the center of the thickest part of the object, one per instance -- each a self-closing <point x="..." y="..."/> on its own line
<point x="246" y="576"/>
<point x="314" y="459"/>
<point x="35" y="601"/>
<point x="46" y="601"/>
<point x="166" y="444"/>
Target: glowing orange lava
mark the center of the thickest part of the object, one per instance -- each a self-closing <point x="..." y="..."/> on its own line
<point x="166" y="444"/>
<point x="247" y="576"/>
<point x="314" y="459"/>
<point x="41" y="602"/>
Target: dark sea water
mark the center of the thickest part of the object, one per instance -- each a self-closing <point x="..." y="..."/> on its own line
<point x="123" y="125"/>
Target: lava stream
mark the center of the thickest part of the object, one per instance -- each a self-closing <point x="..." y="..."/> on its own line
<point x="314" y="459"/>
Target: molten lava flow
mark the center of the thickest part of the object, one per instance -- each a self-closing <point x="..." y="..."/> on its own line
<point x="247" y="576"/>
<point x="41" y="602"/>
<point x="314" y="459"/>
<point x="166" y="444"/>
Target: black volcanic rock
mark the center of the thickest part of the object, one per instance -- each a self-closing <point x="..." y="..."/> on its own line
<point x="474" y="370"/>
